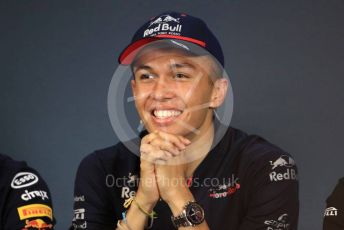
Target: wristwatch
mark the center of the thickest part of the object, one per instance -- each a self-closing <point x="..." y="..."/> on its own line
<point x="192" y="215"/>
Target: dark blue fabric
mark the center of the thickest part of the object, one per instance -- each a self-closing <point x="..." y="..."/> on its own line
<point x="12" y="198"/>
<point x="192" y="27"/>
<point x="260" y="200"/>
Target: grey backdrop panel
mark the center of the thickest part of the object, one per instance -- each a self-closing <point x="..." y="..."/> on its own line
<point x="285" y="59"/>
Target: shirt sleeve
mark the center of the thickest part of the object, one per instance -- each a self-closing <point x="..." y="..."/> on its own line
<point x="334" y="212"/>
<point x="28" y="203"/>
<point x="92" y="204"/>
<point x="273" y="201"/>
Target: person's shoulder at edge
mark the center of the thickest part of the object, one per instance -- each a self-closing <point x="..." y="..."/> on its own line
<point x="337" y="193"/>
<point x="22" y="186"/>
<point x="257" y="149"/>
<point x="9" y="166"/>
<point x="341" y="182"/>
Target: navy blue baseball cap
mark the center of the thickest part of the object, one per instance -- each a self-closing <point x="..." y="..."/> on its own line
<point x="176" y="26"/>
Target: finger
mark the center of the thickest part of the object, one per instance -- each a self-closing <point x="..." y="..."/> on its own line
<point x="184" y="140"/>
<point x="170" y="138"/>
<point x="151" y="153"/>
<point x="145" y="149"/>
<point x="145" y="152"/>
<point x="169" y="155"/>
<point x="166" y="146"/>
<point x="160" y="162"/>
<point x="161" y="154"/>
<point x="149" y="137"/>
<point x="177" y="140"/>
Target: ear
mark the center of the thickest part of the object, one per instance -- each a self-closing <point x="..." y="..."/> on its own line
<point x="219" y="92"/>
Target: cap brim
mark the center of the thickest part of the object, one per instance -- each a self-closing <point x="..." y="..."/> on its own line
<point x="130" y="52"/>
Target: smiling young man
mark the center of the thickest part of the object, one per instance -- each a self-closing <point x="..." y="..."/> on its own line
<point x="184" y="175"/>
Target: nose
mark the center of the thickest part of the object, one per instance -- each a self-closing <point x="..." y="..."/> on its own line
<point x="162" y="90"/>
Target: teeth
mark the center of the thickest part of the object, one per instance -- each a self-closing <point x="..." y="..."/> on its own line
<point x="166" y="113"/>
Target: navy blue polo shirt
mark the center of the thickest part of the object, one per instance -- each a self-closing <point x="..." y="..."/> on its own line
<point x="244" y="183"/>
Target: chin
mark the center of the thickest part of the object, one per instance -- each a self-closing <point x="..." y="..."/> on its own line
<point x="171" y="129"/>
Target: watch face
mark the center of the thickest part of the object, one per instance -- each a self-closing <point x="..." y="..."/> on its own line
<point x="194" y="213"/>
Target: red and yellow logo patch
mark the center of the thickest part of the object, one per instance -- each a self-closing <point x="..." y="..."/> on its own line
<point x="34" y="210"/>
<point x="38" y="224"/>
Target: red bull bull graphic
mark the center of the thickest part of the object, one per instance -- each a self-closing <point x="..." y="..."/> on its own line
<point x="282" y="161"/>
<point x="37" y="224"/>
<point x="164" y="18"/>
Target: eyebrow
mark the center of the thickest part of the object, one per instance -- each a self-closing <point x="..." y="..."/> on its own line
<point x="182" y="65"/>
<point x="173" y="66"/>
<point x="144" y="67"/>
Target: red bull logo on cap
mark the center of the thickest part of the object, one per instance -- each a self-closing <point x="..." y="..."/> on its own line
<point x="164" y="18"/>
<point x="164" y="24"/>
